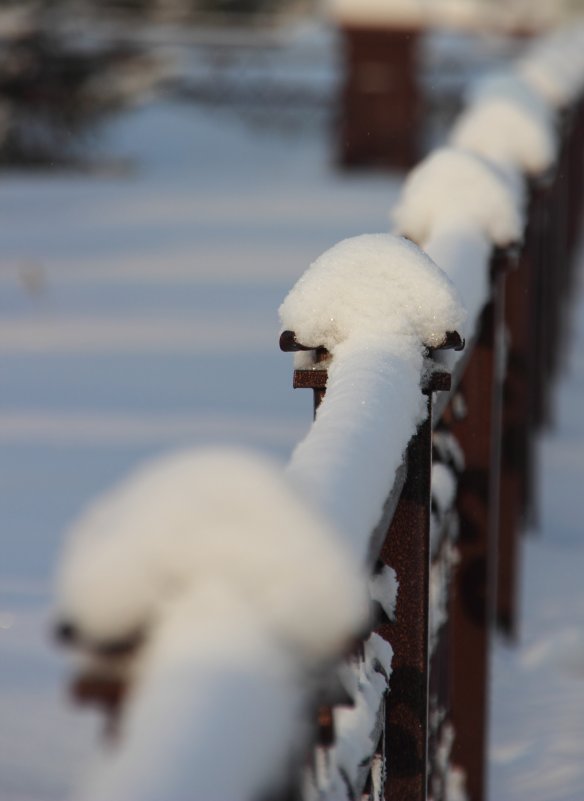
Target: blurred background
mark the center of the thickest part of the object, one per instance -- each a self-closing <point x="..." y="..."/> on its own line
<point x="168" y="168"/>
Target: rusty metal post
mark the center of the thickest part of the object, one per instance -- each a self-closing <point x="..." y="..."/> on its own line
<point x="515" y="440"/>
<point x="537" y="248"/>
<point x="380" y="101"/>
<point x="407" y="551"/>
<point x="478" y="433"/>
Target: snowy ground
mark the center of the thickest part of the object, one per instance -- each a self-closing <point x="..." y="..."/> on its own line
<point x="138" y="313"/>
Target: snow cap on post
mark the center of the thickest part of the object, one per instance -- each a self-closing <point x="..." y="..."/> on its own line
<point x="376" y="13"/>
<point x="453" y="186"/>
<point x="511" y="85"/>
<point x="223" y="516"/>
<point x="505" y="122"/>
<point x="374" y="287"/>
<point x="554" y="66"/>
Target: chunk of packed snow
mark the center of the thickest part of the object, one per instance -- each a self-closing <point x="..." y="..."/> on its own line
<point x="374" y="286"/>
<point x="453" y="186"/>
<point x="383" y="587"/>
<point x="443" y="486"/>
<point x="341" y="770"/>
<point x="211" y="671"/>
<point x="508" y="132"/>
<point x="448" y="450"/>
<point x="464" y="252"/>
<point x="357" y="728"/>
<point x="449" y="781"/>
<point x="216" y="513"/>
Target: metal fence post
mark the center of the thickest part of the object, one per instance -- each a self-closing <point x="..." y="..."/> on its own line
<point x="478" y="433"/>
<point x="380" y="101"/>
<point x="407" y="551"/>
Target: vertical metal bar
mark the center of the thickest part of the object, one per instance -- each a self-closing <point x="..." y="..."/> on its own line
<point x="380" y="103"/>
<point x="473" y="609"/>
<point x="406" y="549"/>
<point x="515" y="442"/>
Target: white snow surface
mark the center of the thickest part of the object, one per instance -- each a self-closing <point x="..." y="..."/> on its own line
<point x="453" y="187"/>
<point x="510" y="84"/>
<point x="339" y="769"/>
<point x="372" y="407"/>
<point x="374" y="301"/>
<point x="356" y="725"/>
<point x="212" y="682"/>
<point x="508" y="132"/>
<point x="373" y="287"/>
<point x="384" y="587"/>
<point x="214" y="514"/>
<point x="464" y="252"/>
<point x="554" y="65"/>
<point x="444" y="486"/>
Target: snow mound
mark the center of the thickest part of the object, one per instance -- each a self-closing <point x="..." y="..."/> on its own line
<point x="452" y="186"/>
<point x="504" y="127"/>
<point x="554" y="66"/>
<point x="510" y="85"/>
<point x="215" y="514"/>
<point x="375" y="287"/>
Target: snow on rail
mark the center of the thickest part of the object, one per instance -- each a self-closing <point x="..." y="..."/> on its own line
<point x="376" y="302"/>
<point x="483" y="207"/>
<point x="215" y="515"/>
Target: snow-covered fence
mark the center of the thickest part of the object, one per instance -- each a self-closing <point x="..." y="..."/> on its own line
<point x="499" y="211"/>
<point x="230" y="595"/>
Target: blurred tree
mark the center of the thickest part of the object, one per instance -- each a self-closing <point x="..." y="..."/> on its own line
<point x="54" y="92"/>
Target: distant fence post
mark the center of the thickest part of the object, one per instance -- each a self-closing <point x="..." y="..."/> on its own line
<point x="516" y="436"/>
<point x="380" y="101"/>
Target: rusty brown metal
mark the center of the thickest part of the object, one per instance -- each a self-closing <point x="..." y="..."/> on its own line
<point x="478" y="433"/>
<point x="289" y="343"/>
<point x="380" y="102"/>
<point x="407" y="551"/>
<point x="107" y="693"/>
<point x="516" y="445"/>
<point x="326" y="726"/>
